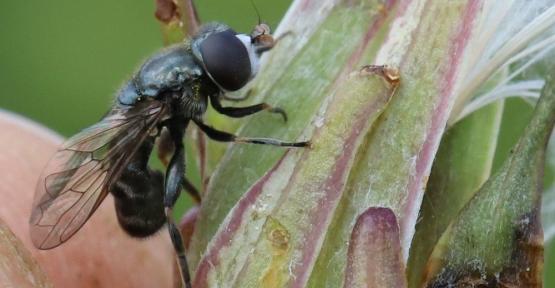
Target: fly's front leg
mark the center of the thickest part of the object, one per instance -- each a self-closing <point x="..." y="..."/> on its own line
<point x="238" y="112"/>
<point x="174" y="181"/>
<point x="246" y="96"/>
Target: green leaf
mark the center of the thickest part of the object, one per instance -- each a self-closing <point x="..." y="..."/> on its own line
<point x="497" y="238"/>
<point x="462" y="165"/>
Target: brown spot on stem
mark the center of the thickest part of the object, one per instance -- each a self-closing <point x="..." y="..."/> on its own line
<point x="390" y="74"/>
<point x="279" y="238"/>
<point x="527" y="258"/>
<point x="276" y="274"/>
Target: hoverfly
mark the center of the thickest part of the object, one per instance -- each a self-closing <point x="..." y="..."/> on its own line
<point x="171" y="89"/>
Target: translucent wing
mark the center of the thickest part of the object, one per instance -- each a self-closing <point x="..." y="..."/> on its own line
<point x="79" y="175"/>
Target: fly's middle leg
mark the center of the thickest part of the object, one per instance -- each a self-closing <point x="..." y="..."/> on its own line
<point x="223" y="136"/>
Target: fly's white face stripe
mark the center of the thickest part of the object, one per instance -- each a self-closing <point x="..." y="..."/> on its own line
<point x="253" y="57"/>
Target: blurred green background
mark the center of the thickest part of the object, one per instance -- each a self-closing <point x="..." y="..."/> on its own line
<point x="61" y="61"/>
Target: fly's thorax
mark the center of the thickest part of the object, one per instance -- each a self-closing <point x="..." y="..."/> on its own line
<point x="168" y="70"/>
<point x="163" y="73"/>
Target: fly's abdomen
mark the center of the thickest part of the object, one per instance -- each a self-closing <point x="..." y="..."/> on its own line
<point x="138" y="195"/>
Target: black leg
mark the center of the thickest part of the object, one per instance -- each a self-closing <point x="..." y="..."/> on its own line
<point x="238" y="112"/>
<point x="177" y="242"/>
<point x="238" y="99"/>
<point x="192" y="190"/>
<point x="174" y="176"/>
<point x="165" y="148"/>
<point x="228" y="137"/>
<point x="174" y="181"/>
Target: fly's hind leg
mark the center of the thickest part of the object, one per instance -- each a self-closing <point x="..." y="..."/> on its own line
<point x="166" y="148"/>
<point x="179" y="247"/>
<point x="172" y="188"/>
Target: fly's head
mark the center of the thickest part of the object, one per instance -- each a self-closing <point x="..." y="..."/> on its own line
<point x="229" y="58"/>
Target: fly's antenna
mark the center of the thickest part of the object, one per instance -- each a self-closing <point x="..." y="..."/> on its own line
<point x="257" y="12"/>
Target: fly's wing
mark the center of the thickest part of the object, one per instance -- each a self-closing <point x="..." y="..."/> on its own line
<point x="79" y="175"/>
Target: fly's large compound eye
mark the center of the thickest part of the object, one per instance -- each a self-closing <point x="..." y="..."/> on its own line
<point x="226" y="60"/>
